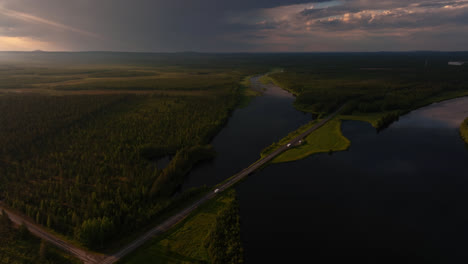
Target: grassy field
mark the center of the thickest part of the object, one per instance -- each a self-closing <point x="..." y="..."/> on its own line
<point x="188" y="242"/>
<point x="268" y="150"/>
<point x="115" y="78"/>
<point x="464" y="130"/>
<point x="326" y="139"/>
<point x="372" y="118"/>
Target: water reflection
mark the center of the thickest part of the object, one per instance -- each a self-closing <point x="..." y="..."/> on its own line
<point x="399" y="196"/>
<point x="449" y="113"/>
<point x="265" y="120"/>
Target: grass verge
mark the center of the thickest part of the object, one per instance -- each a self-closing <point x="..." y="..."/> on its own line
<point x="372" y="118"/>
<point x="18" y="245"/>
<point x="268" y="150"/>
<point x="464" y="130"/>
<point x="327" y="138"/>
<point x="187" y="241"/>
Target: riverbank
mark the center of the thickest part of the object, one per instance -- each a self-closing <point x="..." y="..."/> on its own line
<point x="358" y="108"/>
<point x="356" y="199"/>
<point x="464" y="130"/>
<point x="246" y="92"/>
<point x="327" y="139"/>
<point x="330" y="138"/>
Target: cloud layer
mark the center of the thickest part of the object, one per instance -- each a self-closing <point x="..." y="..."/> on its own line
<point x="361" y="25"/>
<point x="242" y="25"/>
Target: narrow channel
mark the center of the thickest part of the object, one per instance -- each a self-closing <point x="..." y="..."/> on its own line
<point x="266" y="119"/>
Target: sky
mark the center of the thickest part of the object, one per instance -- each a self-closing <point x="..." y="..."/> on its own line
<point x="233" y="25"/>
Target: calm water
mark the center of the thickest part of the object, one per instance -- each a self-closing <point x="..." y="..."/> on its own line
<point x="400" y="196"/>
<point x="249" y="130"/>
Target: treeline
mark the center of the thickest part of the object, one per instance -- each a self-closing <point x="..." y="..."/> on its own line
<point x="224" y="242"/>
<point x="464" y="130"/>
<point x="171" y="177"/>
<point x="17" y="245"/>
<point x="88" y="172"/>
<point x="386" y="120"/>
<point x="369" y="90"/>
<point x="182" y="81"/>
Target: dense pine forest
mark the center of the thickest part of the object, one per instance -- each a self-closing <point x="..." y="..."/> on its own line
<point x="374" y="82"/>
<point x="82" y="171"/>
<point x="84" y="164"/>
<point x="81" y="134"/>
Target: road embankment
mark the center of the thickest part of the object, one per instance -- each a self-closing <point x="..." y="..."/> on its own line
<point x="36" y="230"/>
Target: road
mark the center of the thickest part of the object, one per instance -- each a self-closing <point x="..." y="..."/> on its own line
<point x="225" y="185"/>
<point x="86" y="257"/>
<point x="92" y="258"/>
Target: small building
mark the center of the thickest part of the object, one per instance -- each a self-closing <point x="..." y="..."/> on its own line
<point x="456" y="63"/>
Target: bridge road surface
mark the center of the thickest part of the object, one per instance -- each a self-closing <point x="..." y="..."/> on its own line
<point x="233" y="180"/>
<point x="93" y="258"/>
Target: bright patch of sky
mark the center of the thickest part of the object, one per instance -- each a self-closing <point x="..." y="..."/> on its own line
<point x="234" y="26"/>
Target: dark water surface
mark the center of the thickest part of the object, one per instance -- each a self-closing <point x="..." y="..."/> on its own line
<point x="266" y="119"/>
<point x="400" y="196"/>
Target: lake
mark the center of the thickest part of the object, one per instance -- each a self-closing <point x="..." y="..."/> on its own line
<point x="398" y="196"/>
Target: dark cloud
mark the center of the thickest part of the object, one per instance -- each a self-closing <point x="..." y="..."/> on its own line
<point x="242" y="25"/>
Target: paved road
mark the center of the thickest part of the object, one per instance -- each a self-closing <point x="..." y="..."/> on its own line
<point x="233" y="180"/>
<point x="86" y="257"/>
<point x="90" y="258"/>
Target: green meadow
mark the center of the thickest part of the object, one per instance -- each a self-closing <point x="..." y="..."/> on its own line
<point x="326" y="139"/>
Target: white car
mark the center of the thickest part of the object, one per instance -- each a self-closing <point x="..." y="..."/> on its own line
<point x="288" y="145"/>
<point x="216" y="191"/>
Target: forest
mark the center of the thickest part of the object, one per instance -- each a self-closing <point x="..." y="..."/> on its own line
<point x="81" y="134"/>
<point x="84" y="164"/>
<point x="392" y="83"/>
<point x="78" y="168"/>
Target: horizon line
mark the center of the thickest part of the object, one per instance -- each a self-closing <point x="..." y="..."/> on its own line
<point x="228" y="52"/>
